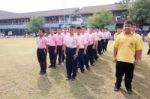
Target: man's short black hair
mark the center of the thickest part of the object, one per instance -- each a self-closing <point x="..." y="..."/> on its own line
<point x="128" y="22"/>
<point x="79" y="28"/>
<point x="41" y="29"/>
<point x="72" y="26"/>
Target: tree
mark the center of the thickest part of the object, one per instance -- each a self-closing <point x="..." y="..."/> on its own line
<point x="35" y="23"/>
<point x="100" y="18"/>
<point x="140" y="12"/>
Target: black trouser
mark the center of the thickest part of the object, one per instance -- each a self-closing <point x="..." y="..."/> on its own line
<point x="41" y="55"/>
<point x="95" y="54"/>
<point x="63" y="57"/>
<point x="100" y="47"/>
<point x="86" y="59"/>
<point x="103" y="44"/>
<point x="127" y="69"/>
<point x="52" y="55"/>
<point x="81" y="59"/>
<point x="59" y="53"/>
<point x="71" y="63"/>
<point x="90" y="54"/>
<point x="106" y="43"/>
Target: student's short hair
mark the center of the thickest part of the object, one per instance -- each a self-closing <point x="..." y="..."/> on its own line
<point x="41" y="29"/>
<point x="72" y="26"/>
<point x="128" y="22"/>
<point x="119" y="26"/>
<point x="79" y="28"/>
<point x="133" y="24"/>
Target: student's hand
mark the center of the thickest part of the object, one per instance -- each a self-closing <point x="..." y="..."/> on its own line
<point x="55" y="51"/>
<point x="114" y="59"/>
<point x="84" y="52"/>
<point x="135" y="62"/>
<point x="75" y="56"/>
<point x="65" y="55"/>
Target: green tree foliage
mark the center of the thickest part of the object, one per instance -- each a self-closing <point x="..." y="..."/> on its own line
<point x="100" y="18"/>
<point x="140" y="12"/>
<point x="35" y="23"/>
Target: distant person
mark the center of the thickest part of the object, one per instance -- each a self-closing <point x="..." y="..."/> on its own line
<point x="107" y="38"/>
<point x="52" y="47"/>
<point x="148" y="39"/>
<point x="126" y="49"/>
<point x="118" y="30"/>
<point x="42" y="51"/>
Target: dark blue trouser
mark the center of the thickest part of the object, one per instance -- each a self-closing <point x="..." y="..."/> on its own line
<point x="41" y="55"/>
<point x="81" y="59"/>
<point x="59" y="53"/>
<point x="52" y="55"/>
<point x="71" y="63"/>
<point x="99" y="47"/>
<point x="90" y="54"/>
<point x="86" y="59"/>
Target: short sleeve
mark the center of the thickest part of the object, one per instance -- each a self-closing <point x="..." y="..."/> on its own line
<point x="116" y="42"/>
<point x="138" y="44"/>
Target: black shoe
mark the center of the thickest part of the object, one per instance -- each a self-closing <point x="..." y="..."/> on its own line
<point x="92" y="65"/>
<point x="82" y="71"/>
<point x="42" y="73"/>
<point x="68" y="78"/>
<point x="73" y="78"/>
<point x="129" y="91"/>
<point x="88" y="68"/>
<point x="116" y="88"/>
<point x="54" y="67"/>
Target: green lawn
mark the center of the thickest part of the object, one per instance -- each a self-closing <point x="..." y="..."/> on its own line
<point x="20" y="79"/>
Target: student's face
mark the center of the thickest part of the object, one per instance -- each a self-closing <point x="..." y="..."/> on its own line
<point x="40" y="33"/>
<point x="133" y="28"/>
<point x="119" y="30"/>
<point x="78" y="31"/>
<point x="127" y="28"/>
<point x="71" y="31"/>
<point x="51" y="31"/>
<point x="59" y="31"/>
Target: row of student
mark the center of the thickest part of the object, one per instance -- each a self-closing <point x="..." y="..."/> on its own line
<point x="77" y="45"/>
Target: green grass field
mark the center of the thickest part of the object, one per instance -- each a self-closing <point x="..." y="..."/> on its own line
<point x="20" y="79"/>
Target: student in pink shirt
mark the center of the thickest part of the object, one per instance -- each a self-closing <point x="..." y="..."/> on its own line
<point x="71" y="49"/>
<point x="91" y="46"/>
<point x="100" y="36"/>
<point x="59" y="45"/>
<point x="42" y="50"/>
<point x="107" y="37"/>
<point x="52" y="47"/>
<point x="82" y="48"/>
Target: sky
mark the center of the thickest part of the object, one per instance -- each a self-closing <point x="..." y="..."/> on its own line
<point x="21" y="6"/>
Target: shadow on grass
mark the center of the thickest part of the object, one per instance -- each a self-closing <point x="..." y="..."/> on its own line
<point x="44" y="85"/>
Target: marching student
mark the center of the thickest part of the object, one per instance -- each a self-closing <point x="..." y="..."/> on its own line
<point x="118" y="30"/>
<point x="107" y="38"/>
<point x="42" y="50"/>
<point x="71" y="48"/>
<point x="100" y="36"/>
<point x="91" y="47"/>
<point x="133" y="29"/>
<point x="82" y="48"/>
<point x="148" y="39"/>
<point x="126" y="49"/>
<point x="96" y="38"/>
<point x="59" y="45"/>
<point x="86" y="36"/>
<point x="64" y="34"/>
<point x="103" y="40"/>
<point x="52" y="47"/>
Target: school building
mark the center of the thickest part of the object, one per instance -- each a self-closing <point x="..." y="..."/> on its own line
<point x="17" y="22"/>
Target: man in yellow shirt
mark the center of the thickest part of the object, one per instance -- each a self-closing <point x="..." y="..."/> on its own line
<point x="148" y="39"/>
<point x="126" y="49"/>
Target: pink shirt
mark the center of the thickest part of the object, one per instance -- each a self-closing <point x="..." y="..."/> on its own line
<point x="41" y="42"/>
<point x="52" y="40"/>
<point x="81" y="40"/>
<point x="59" y="39"/>
<point x="107" y="35"/>
<point x="91" y="38"/>
<point x="71" y="41"/>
